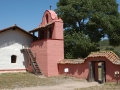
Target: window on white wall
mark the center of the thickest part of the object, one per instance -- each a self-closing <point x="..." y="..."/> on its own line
<point x="13" y="58"/>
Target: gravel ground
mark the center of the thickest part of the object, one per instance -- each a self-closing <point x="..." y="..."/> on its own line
<point x="68" y="85"/>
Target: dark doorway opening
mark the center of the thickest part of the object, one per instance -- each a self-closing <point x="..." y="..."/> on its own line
<point x="97" y="71"/>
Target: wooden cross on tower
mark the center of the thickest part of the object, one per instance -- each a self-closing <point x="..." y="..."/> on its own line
<point x="50" y="7"/>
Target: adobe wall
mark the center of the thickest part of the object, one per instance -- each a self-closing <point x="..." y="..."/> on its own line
<point x="110" y="68"/>
<point x="55" y="53"/>
<point x="57" y="29"/>
<point x="39" y="49"/>
<point x="81" y="70"/>
<point x="75" y="70"/>
<point x="48" y="52"/>
<point x="11" y="44"/>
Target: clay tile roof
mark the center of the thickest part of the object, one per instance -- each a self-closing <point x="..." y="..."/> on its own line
<point x="108" y="54"/>
<point x="111" y="56"/>
<point x="47" y="25"/>
<point x="71" y="61"/>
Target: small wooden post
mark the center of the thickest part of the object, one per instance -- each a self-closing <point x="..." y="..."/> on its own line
<point x="116" y="75"/>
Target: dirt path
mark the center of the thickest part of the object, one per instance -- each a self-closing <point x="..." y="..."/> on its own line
<point x="64" y="86"/>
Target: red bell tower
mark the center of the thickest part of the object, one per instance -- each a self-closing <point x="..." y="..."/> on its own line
<point x="49" y="48"/>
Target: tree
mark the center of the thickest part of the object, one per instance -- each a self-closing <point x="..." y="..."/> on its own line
<point x="74" y="13"/>
<point x="77" y="45"/>
<point x="95" y="18"/>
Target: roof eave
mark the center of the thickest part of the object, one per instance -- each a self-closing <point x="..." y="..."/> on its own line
<point x="41" y="27"/>
<point x="15" y="26"/>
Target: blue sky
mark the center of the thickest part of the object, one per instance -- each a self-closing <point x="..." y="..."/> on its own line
<point x="25" y="13"/>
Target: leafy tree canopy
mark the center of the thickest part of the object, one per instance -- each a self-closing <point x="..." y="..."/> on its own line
<point x="95" y="18"/>
<point x="77" y="45"/>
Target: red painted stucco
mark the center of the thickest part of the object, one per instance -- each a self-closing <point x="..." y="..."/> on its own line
<point x="48" y="53"/>
<point x="39" y="48"/>
<point x="58" y="33"/>
<point x="51" y="16"/>
<point x="76" y="70"/>
<point x="55" y="52"/>
<point x="57" y="29"/>
<point x="81" y="70"/>
<point x="49" y="50"/>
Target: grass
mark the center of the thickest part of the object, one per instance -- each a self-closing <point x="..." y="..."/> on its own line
<point x="20" y="80"/>
<point x="106" y="86"/>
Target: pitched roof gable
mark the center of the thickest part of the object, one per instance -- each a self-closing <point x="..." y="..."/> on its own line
<point x="14" y="27"/>
<point x="110" y="55"/>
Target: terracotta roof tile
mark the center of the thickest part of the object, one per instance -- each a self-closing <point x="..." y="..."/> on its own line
<point x="71" y="61"/>
<point x="36" y="29"/>
<point x="108" y="54"/>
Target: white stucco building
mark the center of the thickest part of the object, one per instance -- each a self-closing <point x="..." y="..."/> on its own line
<point x="11" y="41"/>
